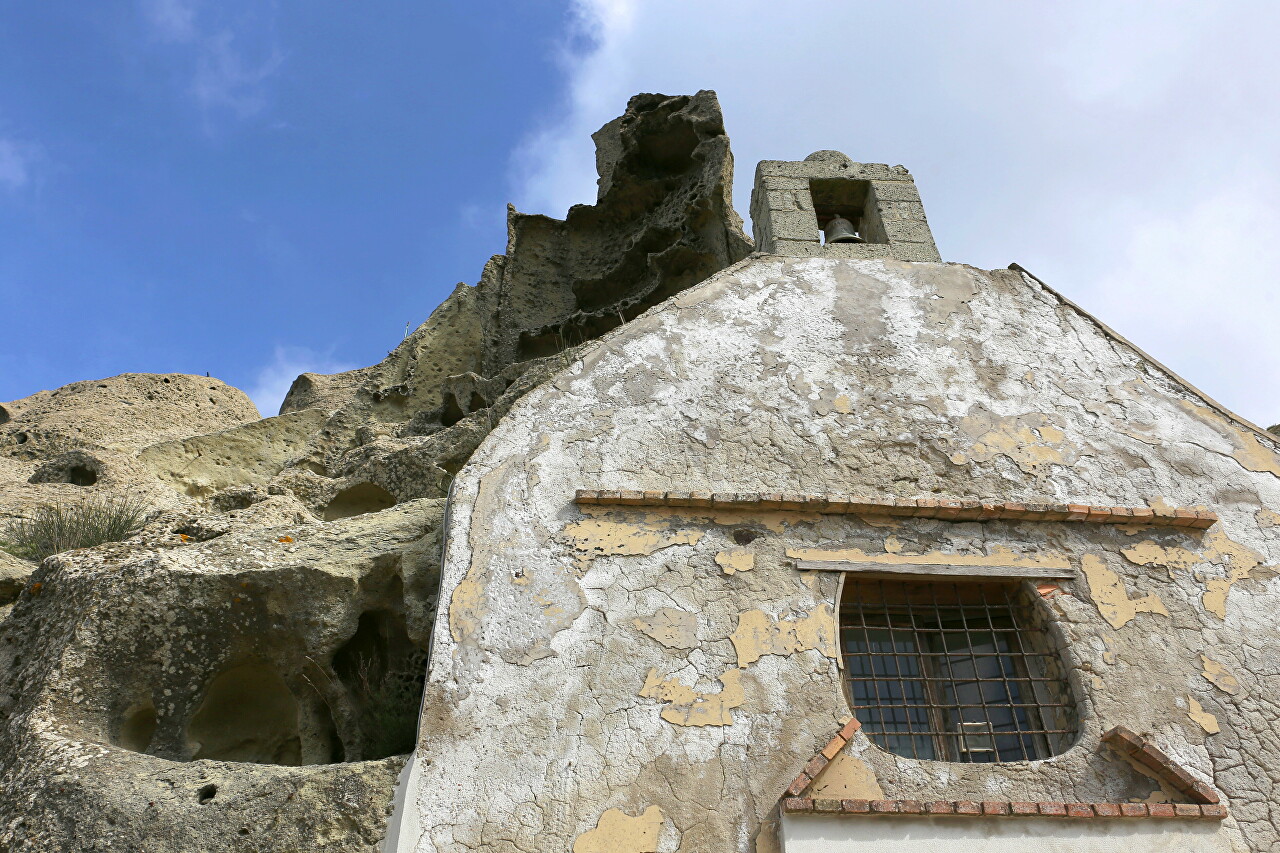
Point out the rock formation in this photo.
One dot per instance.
(241, 674)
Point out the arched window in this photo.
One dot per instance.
(953, 670)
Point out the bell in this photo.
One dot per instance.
(840, 230)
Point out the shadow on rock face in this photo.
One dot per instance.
(357, 500)
(75, 467)
(248, 714)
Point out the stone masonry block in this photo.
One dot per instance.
(907, 230)
(895, 191)
(794, 224)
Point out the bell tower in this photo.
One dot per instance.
(829, 206)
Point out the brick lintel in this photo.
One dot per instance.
(949, 510)
(965, 808)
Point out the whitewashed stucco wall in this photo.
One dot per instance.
(612, 680)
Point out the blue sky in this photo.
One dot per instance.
(259, 188)
(240, 187)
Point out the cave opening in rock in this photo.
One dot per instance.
(138, 727)
(81, 475)
(358, 500)
(383, 672)
(248, 714)
(206, 793)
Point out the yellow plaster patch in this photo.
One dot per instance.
(1030, 439)
(842, 404)
(999, 556)
(731, 562)
(1267, 518)
(1148, 553)
(846, 777)
(466, 607)
(1252, 454)
(1201, 717)
(892, 545)
(675, 629)
(1108, 593)
(688, 707)
(1109, 651)
(759, 634)
(619, 832)
(1217, 675)
(1241, 560)
(594, 537)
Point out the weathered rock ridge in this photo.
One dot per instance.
(234, 676)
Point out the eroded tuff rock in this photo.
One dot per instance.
(220, 681)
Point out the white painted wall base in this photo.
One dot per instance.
(858, 834)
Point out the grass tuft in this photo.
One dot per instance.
(389, 699)
(57, 527)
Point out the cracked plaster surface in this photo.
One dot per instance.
(821, 376)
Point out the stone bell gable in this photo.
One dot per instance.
(646, 583)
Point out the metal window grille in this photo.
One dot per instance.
(952, 671)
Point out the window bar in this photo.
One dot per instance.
(939, 621)
(1037, 697)
(977, 672)
(1005, 662)
(897, 665)
(869, 654)
(985, 613)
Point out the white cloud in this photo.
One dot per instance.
(226, 78)
(287, 363)
(172, 20)
(1126, 153)
(15, 163)
(231, 48)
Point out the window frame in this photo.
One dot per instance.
(1050, 715)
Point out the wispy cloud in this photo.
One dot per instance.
(15, 163)
(287, 363)
(1101, 144)
(171, 20)
(231, 50)
(226, 78)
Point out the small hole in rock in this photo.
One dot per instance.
(21, 437)
(206, 794)
(357, 500)
(81, 475)
(745, 536)
(138, 727)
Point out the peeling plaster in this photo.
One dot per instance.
(759, 634)
(675, 629)
(847, 777)
(1108, 593)
(593, 537)
(688, 707)
(1201, 717)
(1242, 562)
(619, 832)
(1252, 454)
(732, 562)
(1219, 549)
(998, 556)
(1218, 675)
(1030, 440)
(1148, 553)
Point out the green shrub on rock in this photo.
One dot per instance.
(57, 527)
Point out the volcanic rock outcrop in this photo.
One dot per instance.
(243, 674)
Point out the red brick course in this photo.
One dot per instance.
(1119, 738)
(1146, 753)
(950, 510)
(1079, 811)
